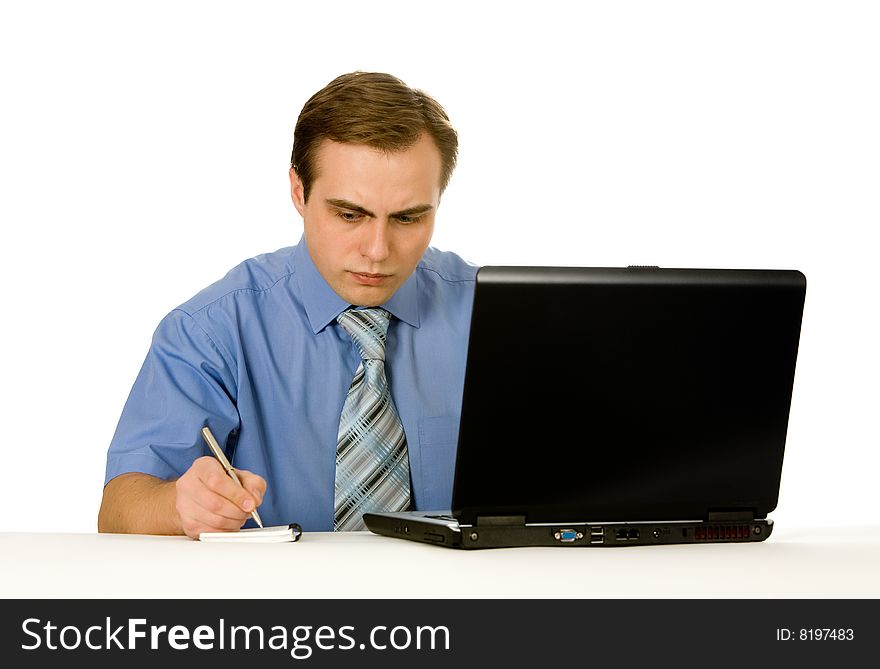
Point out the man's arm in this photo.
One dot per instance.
(204, 499)
(139, 504)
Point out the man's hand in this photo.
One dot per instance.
(208, 500)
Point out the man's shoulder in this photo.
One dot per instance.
(445, 266)
(252, 277)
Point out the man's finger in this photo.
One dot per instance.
(219, 482)
(254, 483)
(217, 505)
(205, 521)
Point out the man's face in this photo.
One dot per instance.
(370, 216)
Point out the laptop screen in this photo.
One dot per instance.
(626, 394)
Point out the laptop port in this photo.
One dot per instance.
(632, 533)
(567, 536)
(597, 535)
(621, 534)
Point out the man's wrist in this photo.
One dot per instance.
(169, 514)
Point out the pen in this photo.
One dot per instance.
(218, 453)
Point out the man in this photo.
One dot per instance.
(331, 371)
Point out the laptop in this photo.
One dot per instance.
(619, 407)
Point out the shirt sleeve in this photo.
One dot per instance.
(185, 383)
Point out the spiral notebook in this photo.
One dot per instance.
(257, 535)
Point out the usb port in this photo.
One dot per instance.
(597, 535)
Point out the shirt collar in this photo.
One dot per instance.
(323, 305)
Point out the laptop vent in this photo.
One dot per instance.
(721, 532)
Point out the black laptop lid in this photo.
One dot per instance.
(626, 394)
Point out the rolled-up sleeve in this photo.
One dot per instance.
(186, 382)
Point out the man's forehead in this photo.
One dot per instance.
(360, 173)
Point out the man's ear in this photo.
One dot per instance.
(297, 192)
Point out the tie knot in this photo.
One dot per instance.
(367, 327)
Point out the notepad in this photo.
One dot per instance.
(257, 535)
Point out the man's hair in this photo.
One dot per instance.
(374, 109)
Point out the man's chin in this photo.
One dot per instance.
(366, 296)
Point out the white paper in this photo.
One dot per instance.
(276, 534)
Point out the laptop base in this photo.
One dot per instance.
(442, 529)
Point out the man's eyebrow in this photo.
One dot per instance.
(351, 206)
(414, 211)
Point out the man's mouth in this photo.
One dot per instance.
(369, 278)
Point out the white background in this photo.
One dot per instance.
(144, 149)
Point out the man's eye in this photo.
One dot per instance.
(407, 220)
(349, 216)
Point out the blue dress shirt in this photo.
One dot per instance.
(259, 358)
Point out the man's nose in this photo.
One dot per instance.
(375, 244)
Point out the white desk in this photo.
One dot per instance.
(793, 563)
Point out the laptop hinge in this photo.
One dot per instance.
(742, 514)
(501, 520)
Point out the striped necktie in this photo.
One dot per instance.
(372, 466)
